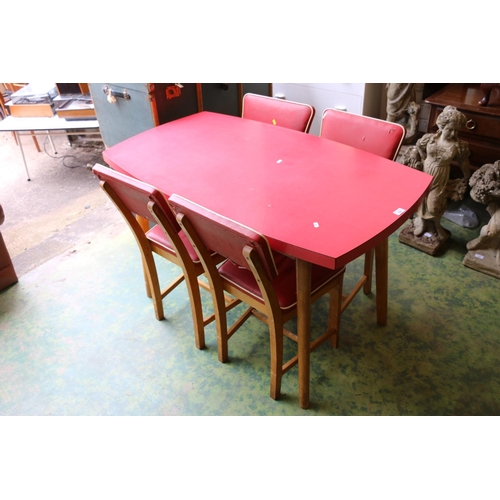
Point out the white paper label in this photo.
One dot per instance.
(399, 211)
(479, 256)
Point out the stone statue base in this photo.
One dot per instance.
(484, 261)
(428, 242)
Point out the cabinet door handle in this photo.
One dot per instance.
(112, 94)
(471, 124)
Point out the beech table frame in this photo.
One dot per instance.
(314, 199)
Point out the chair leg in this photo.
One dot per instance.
(144, 223)
(196, 310)
(153, 283)
(221, 325)
(146, 280)
(369, 256)
(35, 141)
(335, 311)
(276, 344)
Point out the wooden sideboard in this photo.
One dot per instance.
(482, 131)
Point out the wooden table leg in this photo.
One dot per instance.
(382, 278)
(304, 328)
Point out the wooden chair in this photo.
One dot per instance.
(288, 114)
(8, 274)
(261, 278)
(369, 134)
(165, 238)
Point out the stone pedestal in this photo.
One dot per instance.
(484, 261)
(428, 242)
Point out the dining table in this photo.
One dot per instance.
(315, 200)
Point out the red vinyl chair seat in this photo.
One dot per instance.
(285, 284)
(135, 199)
(156, 235)
(256, 275)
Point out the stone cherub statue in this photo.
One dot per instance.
(438, 151)
(434, 153)
(484, 251)
(402, 107)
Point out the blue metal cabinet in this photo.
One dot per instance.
(126, 109)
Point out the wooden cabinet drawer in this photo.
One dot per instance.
(482, 152)
(485, 126)
(482, 131)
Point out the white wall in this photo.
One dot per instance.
(359, 98)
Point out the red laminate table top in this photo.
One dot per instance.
(313, 198)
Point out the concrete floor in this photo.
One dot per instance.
(61, 206)
(78, 334)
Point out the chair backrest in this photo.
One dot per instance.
(363, 132)
(222, 235)
(135, 196)
(288, 114)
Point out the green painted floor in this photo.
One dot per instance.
(78, 336)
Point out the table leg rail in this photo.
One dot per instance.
(347, 299)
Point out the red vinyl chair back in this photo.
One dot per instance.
(135, 198)
(375, 136)
(136, 195)
(288, 114)
(224, 236)
(363, 132)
